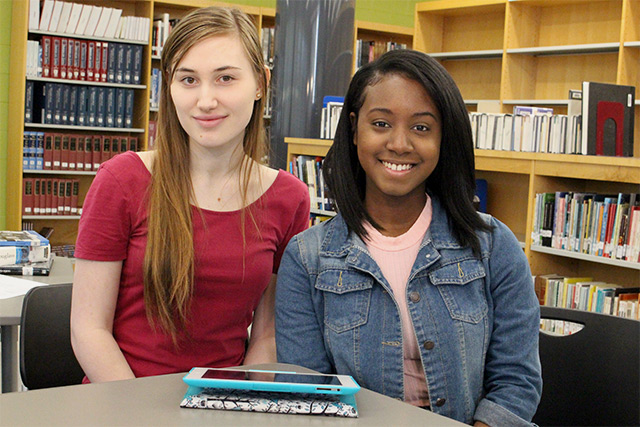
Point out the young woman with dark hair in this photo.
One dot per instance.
(178, 247)
(409, 289)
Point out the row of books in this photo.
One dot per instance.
(605, 225)
(50, 196)
(583, 293)
(599, 121)
(64, 104)
(73, 152)
(83, 19)
(161, 28)
(84, 60)
(309, 170)
(331, 110)
(368, 50)
(529, 129)
(25, 253)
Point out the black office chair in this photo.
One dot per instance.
(46, 356)
(592, 377)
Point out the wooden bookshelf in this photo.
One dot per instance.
(531, 53)
(381, 33)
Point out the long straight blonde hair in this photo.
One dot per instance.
(169, 257)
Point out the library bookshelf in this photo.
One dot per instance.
(525, 52)
(65, 226)
(381, 34)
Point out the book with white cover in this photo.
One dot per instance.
(84, 19)
(74, 17)
(55, 16)
(96, 11)
(112, 25)
(103, 21)
(34, 14)
(45, 16)
(64, 17)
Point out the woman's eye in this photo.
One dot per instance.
(226, 79)
(381, 124)
(188, 80)
(421, 128)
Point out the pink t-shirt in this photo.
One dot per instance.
(395, 256)
(227, 286)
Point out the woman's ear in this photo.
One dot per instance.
(262, 90)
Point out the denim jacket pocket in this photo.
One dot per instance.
(461, 286)
(347, 295)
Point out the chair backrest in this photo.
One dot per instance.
(592, 377)
(46, 356)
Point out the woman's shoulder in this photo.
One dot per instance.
(127, 167)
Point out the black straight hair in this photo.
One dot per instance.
(453, 179)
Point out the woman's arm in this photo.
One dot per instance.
(262, 343)
(93, 304)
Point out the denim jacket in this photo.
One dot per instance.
(476, 320)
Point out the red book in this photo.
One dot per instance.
(76, 59)
(54, 196)
(83, 60)
(133, 143)
(27, 196)
(88, 160)
(70, 58)
(46, 56)
(47, 155)
(96, 152)
(48, 204)
(64, 152)
(36, 196)
(79, 152)
(97, 55)
(64, 47)
(42, 200)
(57, 151)
(61, 190)
(75, 189)
(106, 148)
(104, 64)
(68, 190)
(115, 145)
(55, 57)
(91, 59)
(124, 144)
(73, 149)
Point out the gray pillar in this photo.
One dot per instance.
(313, 58)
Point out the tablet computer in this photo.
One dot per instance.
(264, 380)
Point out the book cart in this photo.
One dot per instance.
(66, 226)
(531, 53)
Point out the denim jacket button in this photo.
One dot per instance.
(429, 345)
(414, 297)
(440, 401)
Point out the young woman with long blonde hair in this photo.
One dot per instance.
(178, 247)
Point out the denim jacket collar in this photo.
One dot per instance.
(337, 243)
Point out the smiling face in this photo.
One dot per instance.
(213, 89)
(398, 134)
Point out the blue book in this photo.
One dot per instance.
(128, 108)
(28, 102)
(120, 65)
(101, 109)
(110, 108)
(111, 62)
(39, 149)
(64, 109)
(48, 103)
(73, 105)
(137, 64)
(92, 106)
(119, 108)
(81, 110)
(128, 64)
